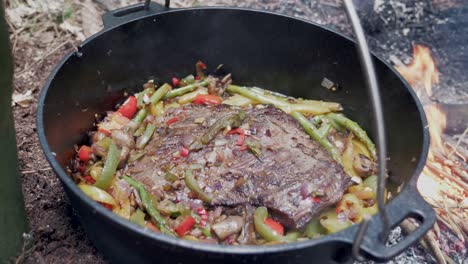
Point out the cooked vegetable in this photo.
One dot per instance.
(207, 99)
(314, 134)
(314, 229)
(265, 230)
(129, 107)
(148, 204)
(160, 93)
(229, 120)
(221, 156)
(186, 89)
(190, 97)
(189, 79)
(330, 221)
(110, 167)
(356, 129)
(275, 226)
(138, 217)
(143, 140)
(97, 194)
(238, 100)
(85, 153)
(193, 186)
(309, 108)
(229, 226)
(185, 225)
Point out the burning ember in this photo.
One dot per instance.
(444, 180)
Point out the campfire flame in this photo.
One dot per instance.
(441, 182)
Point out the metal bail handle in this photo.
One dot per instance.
(373, 88)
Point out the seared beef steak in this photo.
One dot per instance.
(285, 173)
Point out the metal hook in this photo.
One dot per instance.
(167, 3)
(373, 88)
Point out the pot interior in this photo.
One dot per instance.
(261, 49)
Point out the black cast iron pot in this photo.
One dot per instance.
(268, 50)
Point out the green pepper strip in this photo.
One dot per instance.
(254, 148)
(232, 119)
(356, 129)
(186, 89)
(160, 93)
(110, 167)
(147, 203)
(193, 186)
(314, 229)
(138, 217)
(141, 96)
(314, 134)
(265, 231)
(146, 136)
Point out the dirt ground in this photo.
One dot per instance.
(41, 33)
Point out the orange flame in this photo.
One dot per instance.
(421, 70)
(422, 74)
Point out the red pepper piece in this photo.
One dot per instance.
(172, 121)
(275, 226)
(152, 227)
(201, 65)
(241, 132)
(105, 131)
(316, 199)
(108, 206)
(89, 179)
(185, 226)
(184, 152)
(175, 81)
(129, 107)
(242, 148)
(84, 153)
(207, 99)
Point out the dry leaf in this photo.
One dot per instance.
(73, 29)
(24, 100)
(91, 18)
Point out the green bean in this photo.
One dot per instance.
(314, 134)
(356, 129)
(110, 167)
(265, 231)
(133, 125)
(186, 89)
(324, 130)
(160, 93)
(193, 186)
(141, 96)
(189, 79)
(144, 139)
(232, 119)
(148, 204)
(140, 116)
(277, 101)
(256, 96)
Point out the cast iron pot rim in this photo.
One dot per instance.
(346, 235)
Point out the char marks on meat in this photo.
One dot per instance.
(292, 168)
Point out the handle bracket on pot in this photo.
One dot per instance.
(409, 204)
(125, 14)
